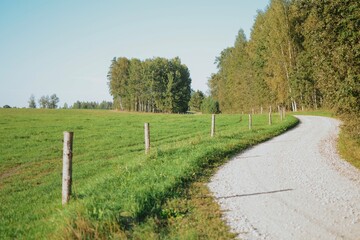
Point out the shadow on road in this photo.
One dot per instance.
(255, 194)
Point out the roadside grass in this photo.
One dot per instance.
(192, 215)
(118, 191)
(349, 136)
(349, 149)
(320, 112)
(349, 140)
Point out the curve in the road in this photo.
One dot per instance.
(294, 186)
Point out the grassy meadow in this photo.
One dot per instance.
(118, 191)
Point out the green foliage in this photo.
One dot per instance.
(196, 101)
(115, 185)
(54, 100)
(153, 85)
(44, 101)
(92, 105)
(329, 37)
(209, 105)
(32, 103)
(301, 53)
(49, 102)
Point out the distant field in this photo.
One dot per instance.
(114, 183)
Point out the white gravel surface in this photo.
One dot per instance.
(294, 186)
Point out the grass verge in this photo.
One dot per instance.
(349, 140)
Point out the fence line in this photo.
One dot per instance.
(68, 150)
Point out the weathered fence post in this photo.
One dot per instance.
(67, 167)
(284, 112)
(270, 120)
(147, 137)
(250, 121)
(212, 125)
(261, 109)
(281, 114)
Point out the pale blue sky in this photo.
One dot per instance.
(65, 47)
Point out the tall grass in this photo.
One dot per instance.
(115, 185)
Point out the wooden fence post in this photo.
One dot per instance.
(67, 167)
(281, 114)
(270, 120)
(147, 137)
(284, 112)
(250, 121)
(212, 125)
(261, 109)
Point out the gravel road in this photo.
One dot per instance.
(294, 186)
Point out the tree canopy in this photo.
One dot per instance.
(48, 102)
(152, 85)
(301, 53)
(196, 100)
(32, 103)
(91, 105)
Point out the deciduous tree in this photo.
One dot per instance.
(32, 103)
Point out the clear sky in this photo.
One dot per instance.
(65, 47)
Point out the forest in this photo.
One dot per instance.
(301, 54)
(152, 85)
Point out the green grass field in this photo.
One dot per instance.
(115, 185)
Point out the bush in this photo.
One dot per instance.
(209, 105)
(196, 101)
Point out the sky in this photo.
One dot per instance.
(65, 47)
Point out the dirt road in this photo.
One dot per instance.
(294, 186)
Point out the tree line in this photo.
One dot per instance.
(52, 101)
(152, 85)
(92, 105)
(301, 53)
(47, 101)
